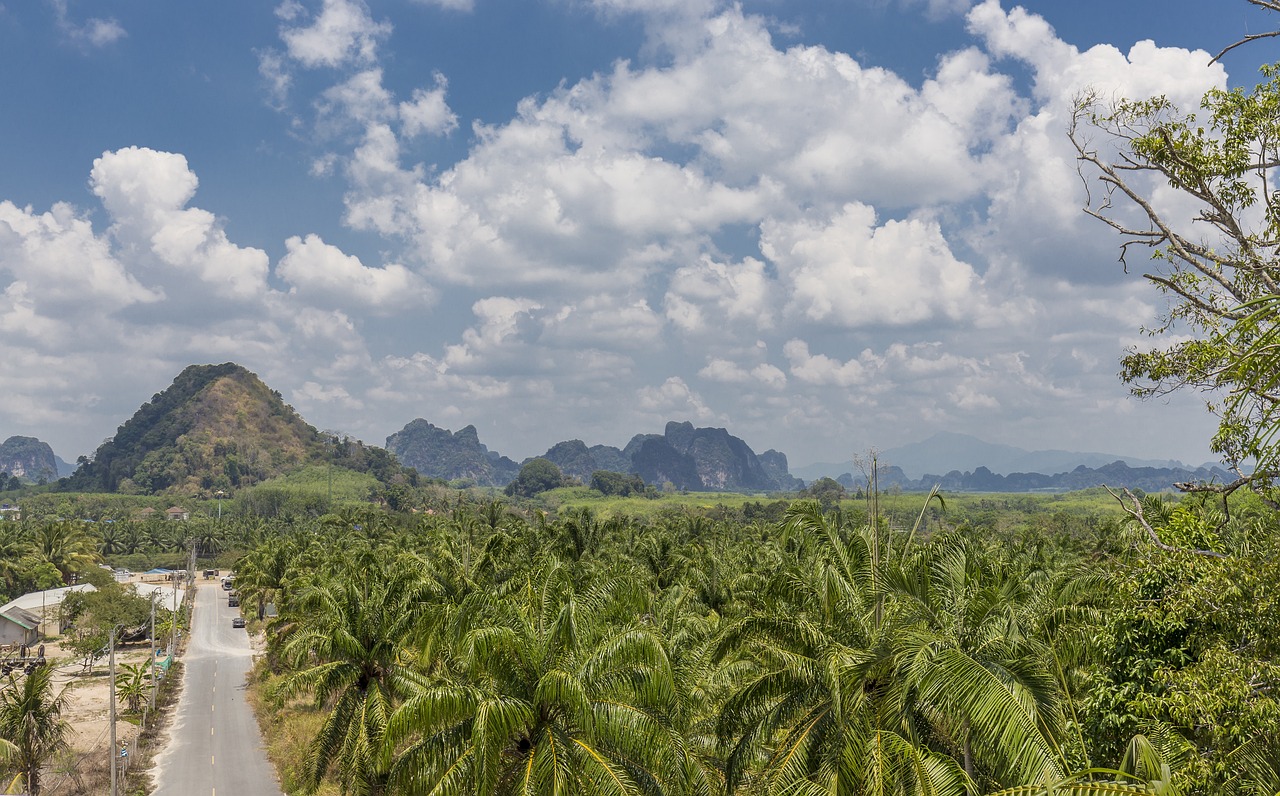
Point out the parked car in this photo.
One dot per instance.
(238, 622)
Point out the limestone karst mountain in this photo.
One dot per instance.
(217, 427)
(28, 459)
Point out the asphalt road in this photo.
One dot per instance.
(214, 746)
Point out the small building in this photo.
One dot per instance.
(19, 626)
(178, 513)
(144, 514)
(10, 512)
(46, 605)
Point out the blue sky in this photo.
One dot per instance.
(827, 225)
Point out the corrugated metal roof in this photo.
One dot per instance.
(24, 619)
(52, 598)
(33, 601)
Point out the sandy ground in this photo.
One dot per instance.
(86, 709)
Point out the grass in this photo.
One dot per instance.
(892, 503)
(286, 731)
(574, 497)
(317, 479)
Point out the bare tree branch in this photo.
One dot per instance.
(1136, 513)
(1247, 39)
(1270, 5)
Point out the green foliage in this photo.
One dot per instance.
(1222, 277)
(94, 615)
(1016, 642)
(31, 722)
(617, 484)
(826, 491)
(536, 476)
(133, 684)
(1192, 644)
(66, 546)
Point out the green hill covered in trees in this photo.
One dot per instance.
(217, 427)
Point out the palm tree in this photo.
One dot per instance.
(133, 684)
(13, 548)
(970, 657)
(66, 546)
(31, 721)
(549, 699)
(111, 539)
(262, 574)
(820, 710)
(207, 538)
(867, 677)
(349, 650)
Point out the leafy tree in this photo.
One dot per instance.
(1191, 644)
(827, 491)
(537, 476)
(94, 615)
(1218, 266)
(31, 720)
(617, 484)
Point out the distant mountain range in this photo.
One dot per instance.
(1116, 474)
(948, 451)
(685, 457)
(221, 427)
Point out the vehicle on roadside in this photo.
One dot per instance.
(238, 622)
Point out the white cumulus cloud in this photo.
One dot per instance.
(343, 32)
(314, 267)
(146, 193)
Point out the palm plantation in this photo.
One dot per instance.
(833, 655)
(350, 652)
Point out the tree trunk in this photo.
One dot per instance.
(968, 751)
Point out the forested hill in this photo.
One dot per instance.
(216, 427)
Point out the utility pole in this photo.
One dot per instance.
(112, 668)
(153, 651)
(173, 634)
